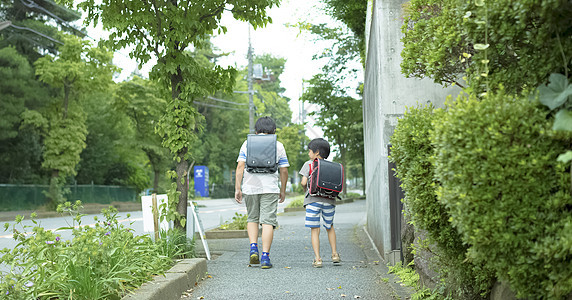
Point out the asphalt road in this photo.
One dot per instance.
(212, 213)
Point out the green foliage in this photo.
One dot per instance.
(104, 261)
(352, 14)
(238, 222)
(174, 243)
(412, 152)
(340, 116)
(294, 143)
(506, 193)
(433, 44)
(64, 143)
(493, 43)
(167, 30)
(17, 74)
(408, 277)
(298, 201)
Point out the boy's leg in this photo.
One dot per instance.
(313, 211)
(328, 212)
(268, 207)
(267, 237)
(332, 239)
(253, 212)
(316, 242)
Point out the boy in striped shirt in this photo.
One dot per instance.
(317, 207)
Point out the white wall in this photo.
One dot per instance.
(386, 95)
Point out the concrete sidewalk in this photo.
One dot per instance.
(362, 274)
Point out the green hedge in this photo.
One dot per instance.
(412, 153)
(505, 191)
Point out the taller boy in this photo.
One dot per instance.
(261, 193)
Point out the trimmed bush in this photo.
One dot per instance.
(412, 153)
(505, 191)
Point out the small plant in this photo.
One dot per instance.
(408, 277)
(238, 223)
(175, 244)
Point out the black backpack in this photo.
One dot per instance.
(326, 179)
(261, 153)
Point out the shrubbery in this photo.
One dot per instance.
(506, 193)
(412, 152)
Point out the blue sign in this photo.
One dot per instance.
(201, 181)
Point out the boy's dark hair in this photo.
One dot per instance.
(320, 146)
(265, 125)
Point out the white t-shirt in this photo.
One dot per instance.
(263, 183)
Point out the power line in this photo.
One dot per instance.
(226, 101)
(32, 30)
(219, 106)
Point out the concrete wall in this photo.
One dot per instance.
(387, 93)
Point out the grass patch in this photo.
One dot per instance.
(298, 201)
(238, 222)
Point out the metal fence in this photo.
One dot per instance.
(27, 197)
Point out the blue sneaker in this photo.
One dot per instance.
(254, 258)
(265, 262)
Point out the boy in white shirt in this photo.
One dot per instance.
(261, 193)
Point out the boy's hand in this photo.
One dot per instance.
(282, 197)
(238, 196)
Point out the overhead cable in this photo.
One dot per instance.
(226, 101)
(218, 106)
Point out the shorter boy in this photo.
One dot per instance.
(317, 207)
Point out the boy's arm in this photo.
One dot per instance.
(304, 182)
(283, 182)
(238, 181)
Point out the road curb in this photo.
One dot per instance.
(88, 209)
(180, 278)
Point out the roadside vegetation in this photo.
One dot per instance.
(104, 261)
(487, 177)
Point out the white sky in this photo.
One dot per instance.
(276, 39)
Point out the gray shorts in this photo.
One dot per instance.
(262, 208)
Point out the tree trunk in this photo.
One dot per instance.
(156, 173)
(66, 100)
(182, 163)
(182, 187)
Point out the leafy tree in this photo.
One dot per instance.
(340, 116)
(166, 30)
(20, 149)
(491, 42)
(17, 77)
(353, 15)
(140, 100)
(77, 69)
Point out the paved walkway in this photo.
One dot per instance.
(361, 275)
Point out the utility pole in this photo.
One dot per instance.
(250, 91)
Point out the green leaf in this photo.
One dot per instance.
(563, 120)
(556, 92)
(565, 157)
(481, 46)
